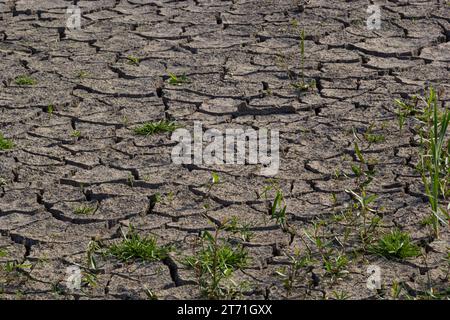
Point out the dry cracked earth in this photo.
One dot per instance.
(74, 144)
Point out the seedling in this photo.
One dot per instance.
(371, 137)
(335, 266)
(235, 227)
(82, 74)
(302, 85)
(150, 128)
(50, 109)
(24, 80)
(133, 60)
(5, 144)
(291, 275)
(75, 134)
(278, 209)
(177, 80)
(396, 244)
(84, 210)
(15, 266)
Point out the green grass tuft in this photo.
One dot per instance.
(223, 258)
(149, 128)
(5, 144)
(25, 81)
(396, 244)
(84, 210)
(135, 247)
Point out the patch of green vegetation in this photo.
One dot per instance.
(177, 80)
(372, 137)
(134, 247)
(3, 253)
(236, 227)
(25, 80)
(84, 210)
(223, 257)
(434, 165)
(396, 244)
(150, 128)
(50, 109)
(215, 263)
(3, 182)
(82, 74)
(302, 85)
(290, 275)
(132, 60)
(12, 266)
(278, 209)
(75, 134)
(5, 144)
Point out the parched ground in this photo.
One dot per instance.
(241, 58)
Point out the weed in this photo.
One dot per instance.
(216, 262)
(3, 182)
(24, 80)
(3, 253)
(132, 60)
(75, 134)
(177, 80)
(434, 166)
(82, 74)
(371, 137)
(150, 294)
(235, 227)
(302, 85)
(50, 109)
(396, 244)
(341, 295)
(134, 247)
(11, 266)
(278, 209)
(336, 266)
(92, 248)
(150, 128)
(84, 210)
(290, 275)
(89, 279)
(5, 144)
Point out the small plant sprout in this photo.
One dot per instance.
(84, 210)
(132, 60)
(50, 109)
(395, 244)
(25, 80)
(177, 80)
(82, 74)
(149, 128)
(302, 85)
(75, 134)
(278, 209)
(5, 144)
